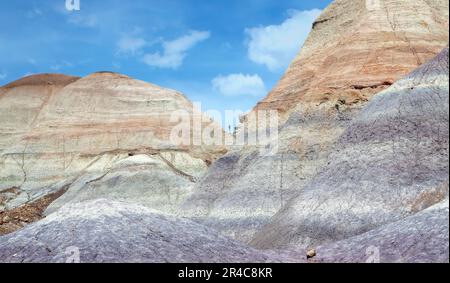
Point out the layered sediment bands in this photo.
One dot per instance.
(358, 48)
(359, 171)
(353, 52)
(147, 180)
(102, 231)
(69, 127)
(22, 102)
(391, 163)
(243, 190)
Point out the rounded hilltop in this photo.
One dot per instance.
(107, 74)
(43, 79)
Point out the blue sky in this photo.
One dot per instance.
(226, 54)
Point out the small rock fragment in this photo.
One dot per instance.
(311, 254)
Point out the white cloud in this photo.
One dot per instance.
(175, 51)
(239, 85)
(130, 45)
(275, 46)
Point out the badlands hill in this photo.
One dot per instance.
(382, 197)
(361, 168)
(22, 101)
(108, 231)
(391, 163)
(357, 48)
(353, 52)
(58, 132)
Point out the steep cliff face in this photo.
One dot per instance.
(353, 52)
(61, 130)
(358, 48)
(391, 163)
